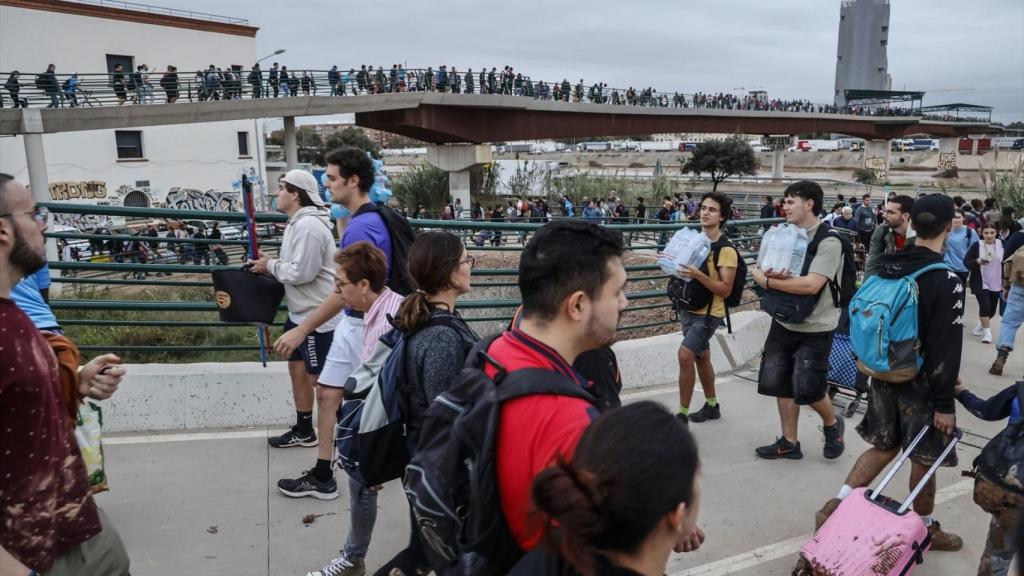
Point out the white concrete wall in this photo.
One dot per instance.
(214, 395)
(198, 156)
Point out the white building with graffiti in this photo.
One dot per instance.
(181, 166)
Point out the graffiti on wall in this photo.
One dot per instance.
(947, 161)
(87, 190)
(79, 221)
(210, 200)
(879, 166)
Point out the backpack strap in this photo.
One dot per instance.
(538, 381)
(935, 266)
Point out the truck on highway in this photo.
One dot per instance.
(595, 146)
(967, 144)
(656, 146)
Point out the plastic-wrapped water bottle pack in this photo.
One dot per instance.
(783, 247)
(688, 247)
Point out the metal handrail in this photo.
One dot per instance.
(98, 89)
(111, 273)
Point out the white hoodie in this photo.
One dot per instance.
(306, 264)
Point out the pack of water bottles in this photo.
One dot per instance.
(783, 247)
(688, 247)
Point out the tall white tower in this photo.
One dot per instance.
(862, 62)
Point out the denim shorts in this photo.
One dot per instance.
(698, 329)
(795, 365)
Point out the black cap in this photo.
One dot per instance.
(932, 209)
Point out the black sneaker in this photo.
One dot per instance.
(293, 437)
(708, 412)
(782, 448)
(308, 485)
(834, 444)
(683, 418)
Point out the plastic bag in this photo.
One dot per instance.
(687, 247)
(89, 435)
(783, 247)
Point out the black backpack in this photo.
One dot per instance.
(402, 236)
(796, 308)
(1002, 460)
(693, 295)
(452, 482)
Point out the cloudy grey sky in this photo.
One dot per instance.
(787, 47)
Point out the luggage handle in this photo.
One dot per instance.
(957, 434)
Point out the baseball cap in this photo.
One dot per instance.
(932, 208)
(306, 181)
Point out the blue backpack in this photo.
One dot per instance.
(884, 326)
(370, 437)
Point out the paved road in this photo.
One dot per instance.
(206, 503)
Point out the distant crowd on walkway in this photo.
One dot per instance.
(231, 83)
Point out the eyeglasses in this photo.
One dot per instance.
(339, 284)
(39, 213)
(468, 260)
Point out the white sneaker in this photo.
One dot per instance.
(987, 338)
(978, 330)
(342, 566)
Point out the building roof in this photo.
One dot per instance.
(141, 13)
(956, 107)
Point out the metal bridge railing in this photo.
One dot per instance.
(168, 84)
(101, 305)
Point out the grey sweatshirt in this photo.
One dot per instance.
(306, 264)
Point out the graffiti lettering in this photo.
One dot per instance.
(189, 199)
(879, 166)
(78, 221)
(947, 161)
(88, 190)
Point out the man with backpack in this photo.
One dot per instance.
(711, 285)
(350, 175)
(898, 409)
(1013, 293)
(893, 235)
(805, 312)
(524, 404)
(998, 472)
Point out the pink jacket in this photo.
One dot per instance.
(375, 321)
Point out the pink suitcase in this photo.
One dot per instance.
(870, 534)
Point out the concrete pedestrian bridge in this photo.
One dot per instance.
(445, 118)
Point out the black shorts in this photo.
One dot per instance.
(314, 349)
(795, 365)
(894, 417)
(988, 303)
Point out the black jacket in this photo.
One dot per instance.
(940, 318)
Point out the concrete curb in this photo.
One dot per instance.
(238, 394)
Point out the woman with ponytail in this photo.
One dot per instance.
(436, 349)
(624, 503)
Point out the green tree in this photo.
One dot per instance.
(721, 159)
(352, 136)
(309, 145)
(423, 184)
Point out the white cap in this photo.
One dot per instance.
(306, 181)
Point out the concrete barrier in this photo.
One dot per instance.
(238, 394)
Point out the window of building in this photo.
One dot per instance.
(885, 29)
(884, 42)
(243, 144)
(129, 144)
(114, 59)
(142, 183)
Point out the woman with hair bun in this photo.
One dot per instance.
(624, 503)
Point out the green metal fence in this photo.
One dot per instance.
(97, 293)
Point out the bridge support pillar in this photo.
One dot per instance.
(778, 162)
(291, 149)
(457, 160)
(38, 181)
(948, 151)
(876, 157)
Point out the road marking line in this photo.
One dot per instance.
(185, 437)
(792, 546)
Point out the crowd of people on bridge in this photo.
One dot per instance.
(569, 480)
(234, 83)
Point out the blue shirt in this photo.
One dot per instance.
(368, 226)
(26, 294)
(957, 244)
